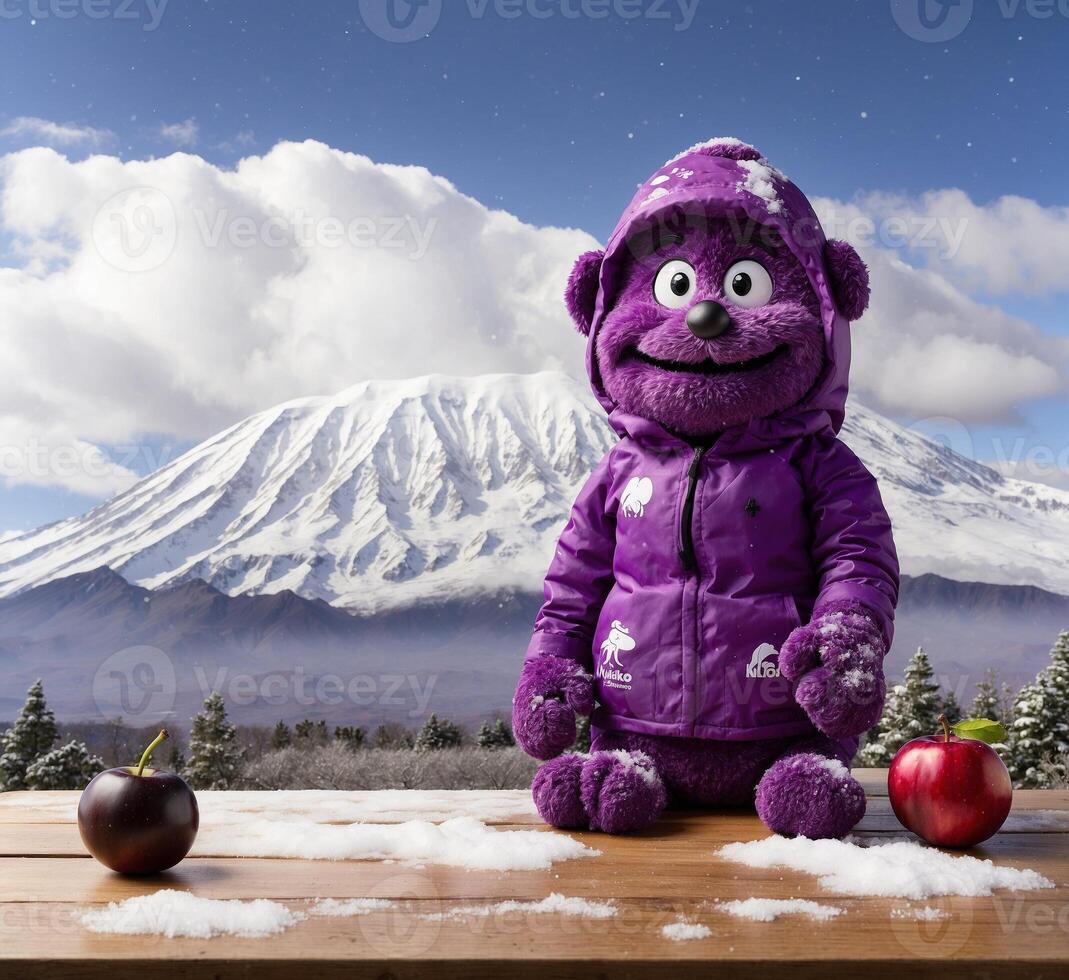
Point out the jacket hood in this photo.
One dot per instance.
(724, 177)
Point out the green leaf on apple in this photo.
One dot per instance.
(982, 729)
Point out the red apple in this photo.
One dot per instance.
(950, 791)
(137, 820)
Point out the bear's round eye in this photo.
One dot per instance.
(747, 284)
(674, 284)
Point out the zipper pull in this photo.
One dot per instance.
(686, 530)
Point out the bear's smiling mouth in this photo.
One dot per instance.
(709, 366)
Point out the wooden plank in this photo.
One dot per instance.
(653, 878)
(1032, 813)
(974, 939)
(642, 866)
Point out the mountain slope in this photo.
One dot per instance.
(450, 489)
(387, 494)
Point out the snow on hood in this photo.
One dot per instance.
(754, 190)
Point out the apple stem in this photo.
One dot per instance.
(946, 727)
(162, 737)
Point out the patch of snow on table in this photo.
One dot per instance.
(897, 869)
(682, 931)
(770, 909)
(376, 806)
(173, 913)
(343, 908)
(463, 842)
(926, 914)
(555, 902)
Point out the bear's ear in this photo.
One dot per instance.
(582, 292)
(849, 278)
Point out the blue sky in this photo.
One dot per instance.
(555, 118)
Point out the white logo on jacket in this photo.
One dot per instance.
(760, 664)
(611, 669)
(637, 494)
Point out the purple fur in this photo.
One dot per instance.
(849, 277)
(615, 791)
(621, 791)
(806, 794)
(581, 294)
(557, 792)
(692, 403)
(797, 791)
(836, 661)
(550, 693)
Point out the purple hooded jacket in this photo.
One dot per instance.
(683, 569)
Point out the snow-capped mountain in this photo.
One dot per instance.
(434, 489)
(388, 493)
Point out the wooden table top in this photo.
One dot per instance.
(47, 881)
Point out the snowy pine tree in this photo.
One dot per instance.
(68, 767)
(950, 708)
(350, 736)
(495, 736)
(280, 736)
(214, 756)
(987, 703)
(1039, 739)
(437, 734)
(32, 736)
(912, 710)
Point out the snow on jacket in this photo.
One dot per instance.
(684, 568)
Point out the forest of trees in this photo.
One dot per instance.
(441, 755)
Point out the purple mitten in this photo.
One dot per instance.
(550, 693)
(809, 795)
(837, 662)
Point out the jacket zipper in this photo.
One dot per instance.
(686, 522)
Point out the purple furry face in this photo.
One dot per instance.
(714, 326)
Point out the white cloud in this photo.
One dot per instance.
(925, 347)
(184, 134)
(174, 297)
(1011, 246)
(54, 134)
(300, 272)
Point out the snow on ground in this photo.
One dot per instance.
(462, 842)
(682, 931)
(899, 868)
(770, 909)
(326, 806)
(344, 908)
(172, 913)
(555, 902)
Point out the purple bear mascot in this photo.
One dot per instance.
(722, 598)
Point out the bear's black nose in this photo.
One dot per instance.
(708, 320)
